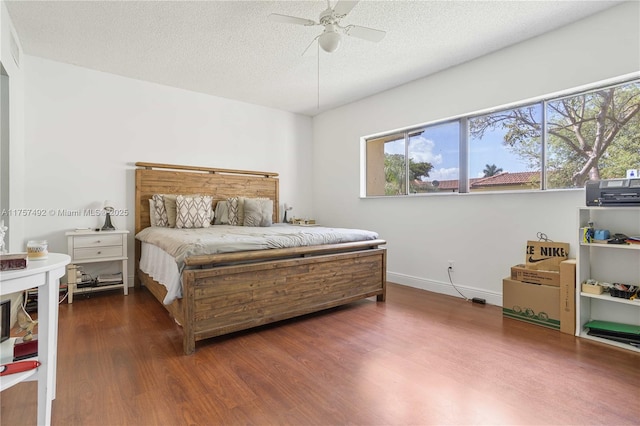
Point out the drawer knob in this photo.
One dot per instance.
(99, 241)
(99, 252)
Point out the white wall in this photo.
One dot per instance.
(16, 142)
(483, 233)
(85, 130)
(16, 127)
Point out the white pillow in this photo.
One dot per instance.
(193, 211)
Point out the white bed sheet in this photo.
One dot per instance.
(162, 267)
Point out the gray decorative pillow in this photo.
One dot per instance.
(193, 211)
(161, 212)
(222, 213)
(258, 212)
(170, 207)
(236, 209)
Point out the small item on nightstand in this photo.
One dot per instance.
(108, 209)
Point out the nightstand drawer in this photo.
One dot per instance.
(97, 252)
(97, 241)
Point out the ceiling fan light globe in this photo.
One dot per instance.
(330, 41)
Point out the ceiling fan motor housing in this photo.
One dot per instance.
(327, 17)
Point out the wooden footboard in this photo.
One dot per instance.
(225, 299)
(231, 298)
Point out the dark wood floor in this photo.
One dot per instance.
(419, 358)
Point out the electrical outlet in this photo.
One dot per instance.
(451, 265)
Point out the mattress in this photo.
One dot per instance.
(164, 250)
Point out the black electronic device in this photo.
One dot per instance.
(613, 192)
(618, 239)
(5, 316)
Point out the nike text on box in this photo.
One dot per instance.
(546, 255)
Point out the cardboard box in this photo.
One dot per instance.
(546, 255)
(592, 289)
(534, 276)
(568, 296)
(533, 303)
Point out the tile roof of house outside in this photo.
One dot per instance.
(506, 178)
(501, 179)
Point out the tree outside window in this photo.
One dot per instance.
(588, 136)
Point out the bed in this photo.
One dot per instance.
(231, 291)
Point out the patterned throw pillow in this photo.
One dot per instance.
(258, 212)
(161, 213)
(152, 213)
(193, 211)
(233, 207)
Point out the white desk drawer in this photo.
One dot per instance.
(97, 252)
(97, 241)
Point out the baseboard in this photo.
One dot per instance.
(444, 288)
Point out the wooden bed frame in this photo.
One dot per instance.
(237, 291)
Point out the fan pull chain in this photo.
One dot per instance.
(318, 50)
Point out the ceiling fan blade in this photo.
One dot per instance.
(364, 33)
(286, 19)
(343, 7)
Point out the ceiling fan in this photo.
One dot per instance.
(330, 18)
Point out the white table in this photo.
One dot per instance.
(45, 275)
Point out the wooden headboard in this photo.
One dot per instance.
(153, 178)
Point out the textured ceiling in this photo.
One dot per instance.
(230, 48)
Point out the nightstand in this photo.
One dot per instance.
(93, 247)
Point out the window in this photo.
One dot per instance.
(505, 150)
(556, 143)
(594, 135)
(386, 168)
(433, 157)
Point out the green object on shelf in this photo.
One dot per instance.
(613, 326)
